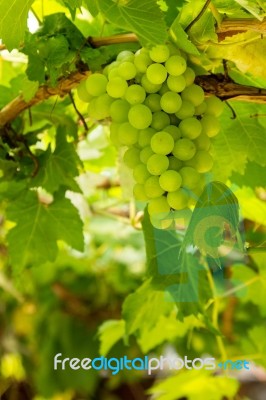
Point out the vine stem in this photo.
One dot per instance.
(202, 11)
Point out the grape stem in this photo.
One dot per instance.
(202, 11)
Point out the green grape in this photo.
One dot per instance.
(127, 134)
(202, 142)
(190, 177)
(113, 73)
(96, 84)
(157, 164)
(116, 87)
(174, 163)
(160, 120)
(114, 134)
(93, 111)
(202, 161)
(114, 64)
(145, 154)
(175, 65)
(176, 83)
(83, 93)
(119, 110)
(152, 187)
(189, 76)
(162, 143)
(194, 94)
(142, 61)
(159, 53)
(178, 200)
(214, 106)
(125, 55)
(162, 222)
(164, 89)
(173, 50)
(186, 110)
(174, 131)
(127, 70)
(158, 206)
(139, 193)
(171, 102)
(199, 110)
(170, 180)
(153, 102)
(103, 103)
(184, 149)
(140, 173)
(210, 125)
(190, 128)
(145, 136)
(156, 73)
(135, 94)
(148, 86)
(132, 157)
(140, 116)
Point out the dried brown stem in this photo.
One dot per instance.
(230, 27)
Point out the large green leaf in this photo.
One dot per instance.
(254, 176)
(144, 18)
(39, 226)
(13, 21)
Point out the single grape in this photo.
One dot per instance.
(174, 163)
(157, 164)
(127, 70)
(96, 84)
(184, 149)
(153, 102)
(140, 116)
(162, 143)
(145, 154)
(148, 86)
(170, 180)
(127, 134)
(159, 53)
(140, 173)
(190, 128)
(175, 65)
(210, 125)
(139, 193)
(178, 200)
(142, 61)
(145, 136)
(156, 73)
(160, 120)
(162, 222)
(194, 94)
(214, 106)
(135, 94)
(202, 161)
(132, 157)
(190, 177)
(171, 102)
(158, 206)
(114, 134)
(119, 110)
(176, 83)
(103, 103)
(189, 76)
(116, 87)
(186, 110)
(199, 110)
(125, 55)
(152, 187)
(113, 73)
(83, 93)
(93, 111)
(202, 142)
(174, 131)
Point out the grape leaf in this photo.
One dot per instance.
(13, 21)
(180, 37)
(143, 18)
(253, 176)
(110, 332)
(253, 7)
(92, 7)
(39, 226)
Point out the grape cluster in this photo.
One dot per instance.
(164, 120)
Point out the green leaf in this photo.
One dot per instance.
(13, 21)
(253, 7)
(92, 7)
(195, 384)
(29, 89)
(110, 332)
(180, 38)
(144, 18)
(39, 226)
(58, 168)
(254, 343)
(253, 176)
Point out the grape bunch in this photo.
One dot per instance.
(163, 120)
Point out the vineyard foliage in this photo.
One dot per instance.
(83, 271)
